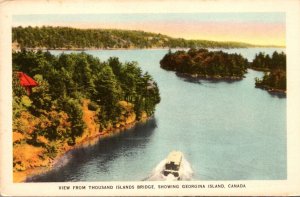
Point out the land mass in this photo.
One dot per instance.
(78, 97)
(48, 37)
(274, 66)
(204, 64)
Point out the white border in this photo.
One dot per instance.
(292, 10)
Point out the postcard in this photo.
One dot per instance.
(149, 98)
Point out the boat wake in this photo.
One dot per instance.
(157, 175)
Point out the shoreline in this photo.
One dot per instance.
(58, 161)
(260, 69)
(134, 48)
(196, 77)
(271, 90)
(207, 77)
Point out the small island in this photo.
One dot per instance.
(60, 102)
(204, 64)
(274, 79)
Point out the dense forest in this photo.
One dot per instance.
(274, 66)
(50, 118)
(201, 63)
(72, 38)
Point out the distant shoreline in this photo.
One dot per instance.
(137, 48)
(72, 38)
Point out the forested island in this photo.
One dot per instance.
(274, 79)
(48, 37)
(69, 99)
(204, 64)
(218, 65)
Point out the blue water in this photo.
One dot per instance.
(227, 131)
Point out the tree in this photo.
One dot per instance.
(275, 78)
(107, 93)
(65, 37)
(202, 62)
(40, 96)
(55, 105)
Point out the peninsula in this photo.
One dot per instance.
(59, 102)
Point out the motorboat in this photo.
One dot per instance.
(173, 165)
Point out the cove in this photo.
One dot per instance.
(227, 131)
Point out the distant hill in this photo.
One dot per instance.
(71, 38)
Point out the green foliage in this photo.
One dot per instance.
(275, 67)
(73, 108)
(41, 95)
(51, 150)
(65, 37)
(18, 90)
(21, 102)
(93, 106)
(265, 62)
(55, 104)
(204, 63)
(26, 101)
(276, 79)
(107, 93)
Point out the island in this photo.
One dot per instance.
(204, 64)
(60, 102)
(274, 67)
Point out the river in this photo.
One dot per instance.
(227, 131)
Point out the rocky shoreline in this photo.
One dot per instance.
(37, 163)
(61, 160)
(271, 90)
